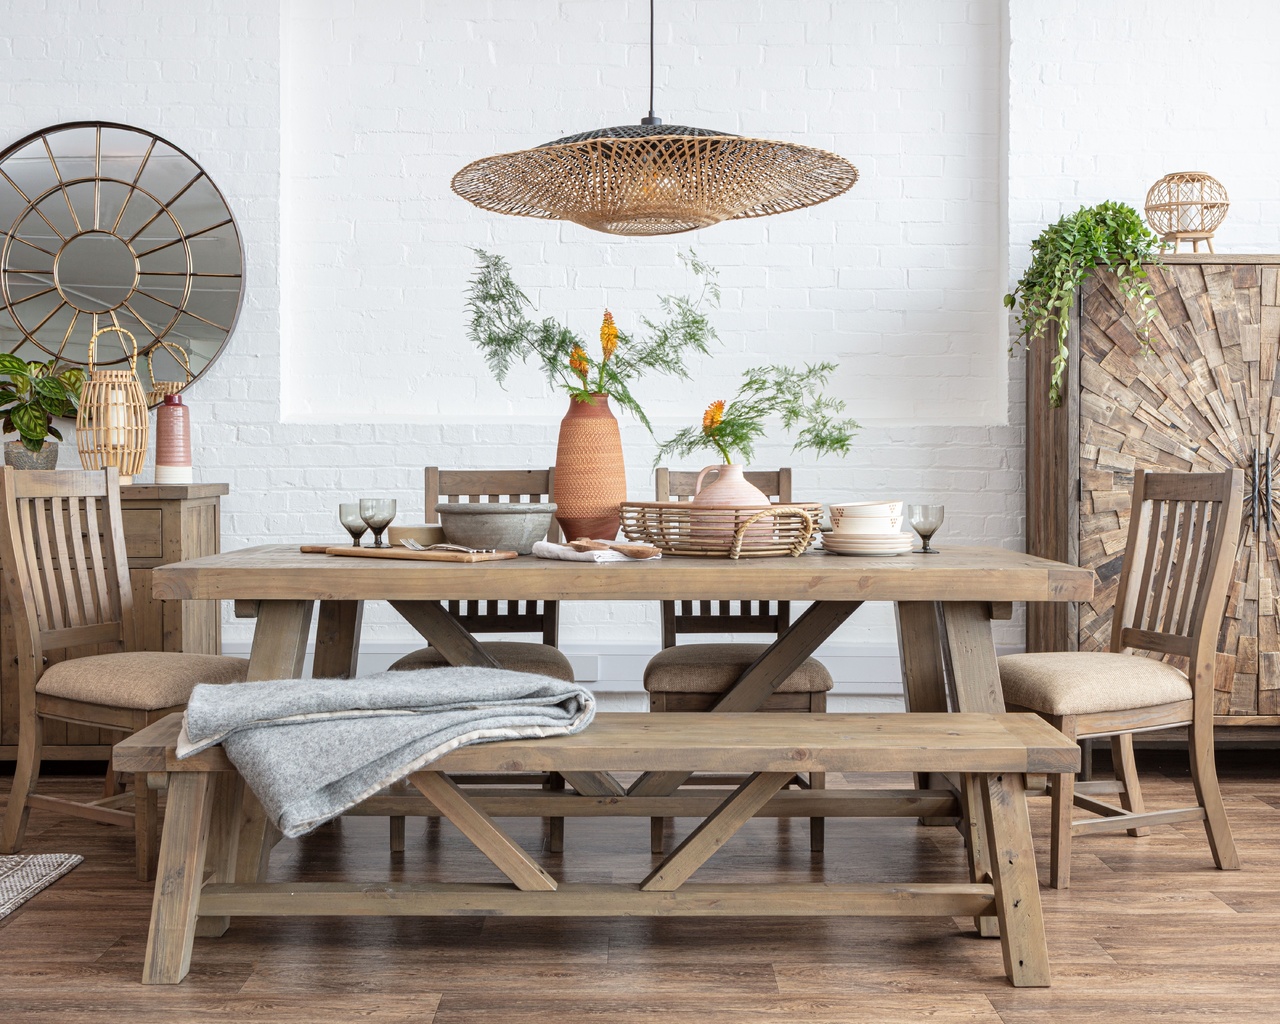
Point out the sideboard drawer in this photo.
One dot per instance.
(142, 533)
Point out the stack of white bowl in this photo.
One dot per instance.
(867, 528)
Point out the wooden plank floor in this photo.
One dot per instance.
(1149, 931)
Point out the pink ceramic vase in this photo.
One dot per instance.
(729, 487)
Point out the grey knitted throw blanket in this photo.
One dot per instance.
(313, 748)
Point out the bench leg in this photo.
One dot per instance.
(224, 843)
(715, 831)
(1013, 874)
(505, 853)
(179, 878)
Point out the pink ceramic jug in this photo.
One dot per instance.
(729, 487)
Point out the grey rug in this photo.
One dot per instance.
(23, 875)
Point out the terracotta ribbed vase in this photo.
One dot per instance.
(591, 481)
(173, 441)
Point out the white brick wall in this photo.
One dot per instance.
(333, 128)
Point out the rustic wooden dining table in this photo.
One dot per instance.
(945, 604)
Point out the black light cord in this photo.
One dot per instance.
(651, 119)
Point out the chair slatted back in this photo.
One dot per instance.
(62, 540)
(1183, 531)
(498, 485)
(721, 616)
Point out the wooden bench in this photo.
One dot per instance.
(196, 894)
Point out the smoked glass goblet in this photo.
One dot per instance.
(349, 515)
(925, 520)
(377, 514)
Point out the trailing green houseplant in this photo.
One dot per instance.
(505, 335)
(1111, 234)
(790, 394)
(32, 394)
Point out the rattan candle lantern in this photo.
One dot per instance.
(112, 425)
(1187, 206)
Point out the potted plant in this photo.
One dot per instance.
(732, 427)
(590, 479)
(1111, 234)
(31, 395)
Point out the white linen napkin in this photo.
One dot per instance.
(545, 549)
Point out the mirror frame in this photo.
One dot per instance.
(57, 184)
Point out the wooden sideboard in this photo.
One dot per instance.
(1205, 397)
(162, 523)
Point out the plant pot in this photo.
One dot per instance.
(17, 455)
(591, 481)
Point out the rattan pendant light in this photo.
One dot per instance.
(654, 179)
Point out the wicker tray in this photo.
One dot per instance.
(722, 531)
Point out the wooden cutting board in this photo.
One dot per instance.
(404, 554)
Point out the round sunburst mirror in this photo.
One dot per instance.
(107, 225)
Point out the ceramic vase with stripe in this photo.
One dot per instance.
(591, 480)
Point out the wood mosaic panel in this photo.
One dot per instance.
(1205, 397)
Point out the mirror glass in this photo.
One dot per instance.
(106, 225)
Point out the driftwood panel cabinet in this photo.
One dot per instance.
(162, 523)
(1204, 397)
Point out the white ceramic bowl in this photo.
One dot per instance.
(867, 525)
(860, 509)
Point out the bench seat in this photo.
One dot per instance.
(988, 753)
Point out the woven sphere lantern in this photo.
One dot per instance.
(112, 425)
(654, 179)
(1187, 206)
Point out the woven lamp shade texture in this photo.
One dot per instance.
(1188, 202)
(654, 179)
(112, 424)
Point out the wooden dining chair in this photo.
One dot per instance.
(499, 616)
(1169, 604)
(62, 542)
(693, 677)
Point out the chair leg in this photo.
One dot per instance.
(25, 775)
(657, 826)
(1204, 775)
(1126, 772)
(555, 826)
(817, 826)
(146, 838)
(1064, 788)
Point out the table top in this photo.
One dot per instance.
(282, 572)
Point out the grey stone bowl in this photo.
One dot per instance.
(509, 526)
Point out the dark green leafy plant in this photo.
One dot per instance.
(505, 336)
(32, 394)
(1065, 254)
(767, 391)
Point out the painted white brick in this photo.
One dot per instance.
(334, 128)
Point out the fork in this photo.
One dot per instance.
(413, 545)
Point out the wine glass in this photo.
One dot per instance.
(349, 515)
(377, 514)
(925, 520)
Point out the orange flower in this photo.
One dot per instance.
(608, 336)
(713, 417)
(578, 362)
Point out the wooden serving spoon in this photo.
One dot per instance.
(630, 550)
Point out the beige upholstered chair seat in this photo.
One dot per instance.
(1089, 682)
(139, 680)
(714, 668)
(516, 656)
